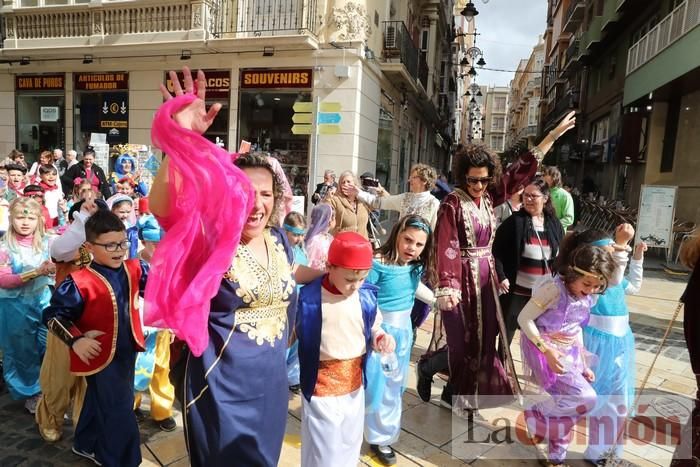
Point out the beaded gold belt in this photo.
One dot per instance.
(263, 324)
(476, 252)
(338, 377)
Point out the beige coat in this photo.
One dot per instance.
(349, 216)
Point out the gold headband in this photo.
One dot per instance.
(583, 272)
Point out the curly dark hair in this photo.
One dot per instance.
(589, 258)
(573, 241)
(475, 155)
(259, 160)
(427, 258)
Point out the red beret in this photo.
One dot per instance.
(143, 206)
(350, 250)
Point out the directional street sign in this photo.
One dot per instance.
(329, 107)
(303, 118)
(327, 117)
(328, 129)
(302, 129)
(303, 107)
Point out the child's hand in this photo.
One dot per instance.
(46, 268)
(623, 234)
(554, 357)
(589, 375)
(384, 343)
(88, 347)
(639, 250)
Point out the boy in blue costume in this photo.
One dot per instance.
(337, 325)
(95, 312)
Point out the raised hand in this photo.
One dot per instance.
(567, 123)
(193, 116)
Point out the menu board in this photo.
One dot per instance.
(657, 205)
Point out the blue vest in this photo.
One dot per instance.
(308, 329)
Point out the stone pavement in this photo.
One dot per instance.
(431, 435)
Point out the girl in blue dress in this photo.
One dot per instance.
(397, 270)
(26, 274)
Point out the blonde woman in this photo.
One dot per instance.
(351, 214)
(26, 272)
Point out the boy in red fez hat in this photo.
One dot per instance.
(337, 325)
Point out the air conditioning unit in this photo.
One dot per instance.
(390, 38)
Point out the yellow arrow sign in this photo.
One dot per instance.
(329, 107)
(303, 107)
(328, 129)
(302, 118)
(302, 129)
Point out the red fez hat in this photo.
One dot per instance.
(143, 206)
(350, 250)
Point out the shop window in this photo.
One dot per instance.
(101, 105)
(40, 123)
(265, 119)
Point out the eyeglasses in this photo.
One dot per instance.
(482, 180)
(532, 196)
(113, 247)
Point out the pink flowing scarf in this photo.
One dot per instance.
(207, 212)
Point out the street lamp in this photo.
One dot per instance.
(481, 61)
(469, 11)
(472, 72)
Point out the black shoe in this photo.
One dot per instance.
(140, 415)
(384, 454)
(446, 397)
(423, 383)
(295, 388)
(168, 424)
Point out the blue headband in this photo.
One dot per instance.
(419, 225)
(294, 230)
(603, 242)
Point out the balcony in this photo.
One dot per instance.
(591, 37)
(142, 22)
(672, 28)
(401, 58)
(610, 16)
(572, 53)
(574, 15)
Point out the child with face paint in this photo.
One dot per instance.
(126, 173)
(26, 272)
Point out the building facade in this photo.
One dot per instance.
(631, 70)
(524, 101)
(495, 116)
(381, 70)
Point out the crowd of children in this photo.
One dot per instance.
(350, 349)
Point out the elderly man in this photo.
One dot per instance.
(59, 162)
(323, 189)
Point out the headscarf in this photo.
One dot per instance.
(320, 220)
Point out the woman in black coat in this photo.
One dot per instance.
(86, 169)
(524, 248)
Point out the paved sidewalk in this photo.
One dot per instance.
(431, 435)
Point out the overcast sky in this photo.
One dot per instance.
(509, 30)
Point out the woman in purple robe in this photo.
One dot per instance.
(467, 290)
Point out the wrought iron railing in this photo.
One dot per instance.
(399, 46)
(572, 51)
(423, 71)
(573, 6)
(264, 17)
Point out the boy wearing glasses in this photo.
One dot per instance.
(95, 312)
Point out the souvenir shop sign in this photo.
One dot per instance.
(218, 83)
(101, 81)
(40, 82)
(257, 79)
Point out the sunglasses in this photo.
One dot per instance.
(482, 180)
